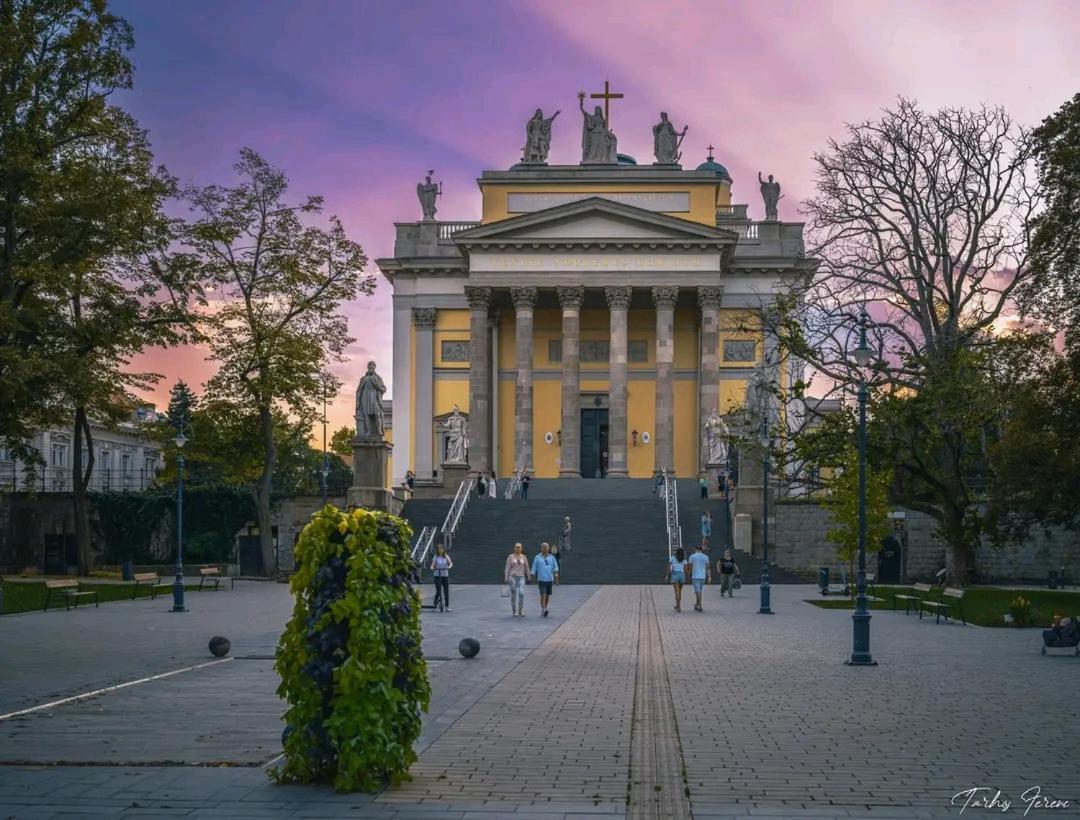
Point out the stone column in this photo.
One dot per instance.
(664, 299)
(524, 303)
(479, 382)
(709, 299)
(570, 452)
(618, 299)
(424, 327)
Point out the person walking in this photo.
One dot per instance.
(703, 483)
(525, 486)
(481, 485)
(410, 480)
(516, 575)
(658, 483)
(706, 529)
(676, 575)
(546, 570)
(700, 575)
(729, 571)
(492, 487)
(440, 569)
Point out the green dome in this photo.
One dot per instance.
(714, 166)
(625, 159)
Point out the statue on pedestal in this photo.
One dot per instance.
(666, 141)
(770, 192)
(598, 144)
(538, 137)
(426, 192)
(717, 435)
(457, 448)
(369, 406)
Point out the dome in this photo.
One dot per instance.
(625, 159)
(715, 167)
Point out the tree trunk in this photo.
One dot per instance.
(263, 490)
(956, 546)
(80, 481)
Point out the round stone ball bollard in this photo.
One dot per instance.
(469, 647)
(219, 646)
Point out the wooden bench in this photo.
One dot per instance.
(69, 588)
(151, 580)
(212, 575)
(943, 606)
(916, 599)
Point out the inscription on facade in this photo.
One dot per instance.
(659, 201)
(594, 351)
(455, 351)
(740, 350)
(598, 262)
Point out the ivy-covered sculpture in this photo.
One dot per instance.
(350, 663)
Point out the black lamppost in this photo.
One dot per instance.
(860, 654)
(325, 472)
(766, 589)
(178, 583)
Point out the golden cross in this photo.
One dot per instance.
(607, 97)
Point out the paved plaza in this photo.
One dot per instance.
(615, 705)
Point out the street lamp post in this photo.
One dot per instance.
(325, 473)
(178, 583)
(766, 588)
(860, 619)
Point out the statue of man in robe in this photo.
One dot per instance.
(717, 435)
(598, 144)
(770, 192)
(426, 192)
(369, 406)
(538, 137)
(666, 141)
(457, 447)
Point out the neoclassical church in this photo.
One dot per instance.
(594, 318)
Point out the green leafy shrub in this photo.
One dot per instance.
(350, 662)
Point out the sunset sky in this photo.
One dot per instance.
(355, 100)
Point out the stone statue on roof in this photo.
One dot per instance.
(538, 137)
(598, 144)
(426, 192)
(770, 192)
(666, 141)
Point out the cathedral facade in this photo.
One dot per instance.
(589, 324)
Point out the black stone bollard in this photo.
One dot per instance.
(469, 647)
(219, 646)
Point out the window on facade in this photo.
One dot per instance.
(740, 350)
(150, 464)
(637, 351)
(58, 454)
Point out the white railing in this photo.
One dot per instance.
(448, 229)
(423, 548)
(450, 524)
(671, 508)
(513, 485)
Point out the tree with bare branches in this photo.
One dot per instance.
(921, 217)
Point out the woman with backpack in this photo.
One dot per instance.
(729, 572)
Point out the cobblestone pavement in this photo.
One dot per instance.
(563, 717)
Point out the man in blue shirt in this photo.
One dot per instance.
(700, 574)
(546, 570)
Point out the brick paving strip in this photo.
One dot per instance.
(657, 776)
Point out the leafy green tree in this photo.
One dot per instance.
(278, 325)
(60, 62)
(842, 502)
(341, 441)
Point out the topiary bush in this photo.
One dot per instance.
(350, 662)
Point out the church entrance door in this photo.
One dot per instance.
(594, 442)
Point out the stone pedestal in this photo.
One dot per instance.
(370, 461)
(453, 475)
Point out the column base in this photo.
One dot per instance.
(618, 474)
(569, 473)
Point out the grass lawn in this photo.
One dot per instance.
(24, 596)
(982, 605)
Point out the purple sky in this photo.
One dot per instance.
(355, 100)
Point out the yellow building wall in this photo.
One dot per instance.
(732, 395)
(705, 196)
(740, 324)
(641, 416)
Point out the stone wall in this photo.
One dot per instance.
(800, 544)
(25, 520)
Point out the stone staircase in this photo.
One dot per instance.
(619, 536)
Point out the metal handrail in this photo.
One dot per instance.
(514, 484)
(671, 508)
(457, 508)
(422, 548)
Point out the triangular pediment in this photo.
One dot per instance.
(593, 220)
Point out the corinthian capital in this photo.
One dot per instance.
(479, 298)
(665, 297)
(523, 298)
(710, 296)
(618, 297)
(423, 318)
(570, 297)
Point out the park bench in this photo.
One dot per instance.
(920, 590)
(69, 588)
(212, 576)
(943, 606)
(151, 580)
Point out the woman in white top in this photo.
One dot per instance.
(515, 575)
(440, 568)
(492, 488)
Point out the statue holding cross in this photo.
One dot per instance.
(598, 144)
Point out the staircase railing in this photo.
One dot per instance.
(422, 549)
(513, 485)
(453, 517)
(671, 506)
